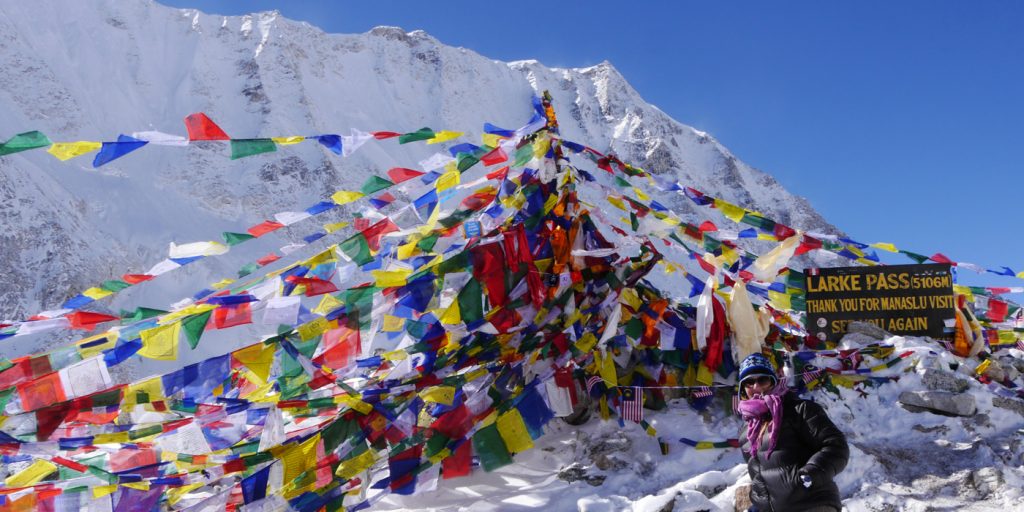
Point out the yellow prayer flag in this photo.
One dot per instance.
(390, 278)
(161, 342)
(767, 236)
(194, 309)
(393, 324)
(103, 490)
(350, 468)
(704, 375)
(223, 283)
(492, 140)
(327, 304)
(97, 293)
(406, 251)
(617, 202)
(608, 373)
(780, 300)
(959, 289)
(313, 329)
(331, 227)
(447, 180)
(641, 195)
(153, 388)
(452, 315)
(513, 431)
(586, 343)
(438, 394)
(36, 471)
(287, 141)
(705, 445)
(550, 203)
(257, 358)
(885, 246)
(109, 339)
(729, 210)
(69, 150)
(630, 298)
(346, 196)
(444, 136)
(142, 486)
(299, 458)
(541, 146)
(115, 438)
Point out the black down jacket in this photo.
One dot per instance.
(808, 443)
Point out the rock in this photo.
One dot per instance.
(867, 329)
(576, 472)
(938, 402)
(940, 380)
(995, 371)
(1010, 404)
(742, 501)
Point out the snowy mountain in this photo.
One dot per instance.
(89, 70)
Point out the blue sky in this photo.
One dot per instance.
(899, 121)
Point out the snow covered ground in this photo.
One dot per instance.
(900, 460)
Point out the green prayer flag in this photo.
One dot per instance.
(621, 182)
(465, 161)
(375, 184)
(140, 313)
(471, 305)
(24, 142)
(918, 258)
(421, 134)
(758, 222)
(356, 248)
(523, 155)
(426, 244)
(249, 268)
(487, 443)
(114, 285)
(241, 148)
(194, 326)
(233, 239)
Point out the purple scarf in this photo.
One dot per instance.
(756, 411)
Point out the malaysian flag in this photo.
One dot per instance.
(591, 382)
(811, 374)
(702, 392)
(632, 407)
(1020, 344)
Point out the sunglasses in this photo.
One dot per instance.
(761, 381)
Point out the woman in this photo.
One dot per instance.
(793, 450)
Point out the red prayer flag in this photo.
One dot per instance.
(385, 135)
(136, 278)
(267, 260)
(783, 231)
(41, 392)
(941, 258)
(87, 320)
(264, 228)
(400, 174)
(499, 174)
(997, 310)
(201, 127)
(230, 316)
(495, 156)
(376, 231)
(707, 226)
(459, 463)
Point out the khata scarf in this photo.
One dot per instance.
(756, 411)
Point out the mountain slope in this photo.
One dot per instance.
(85, 70)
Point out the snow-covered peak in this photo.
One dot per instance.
(88, 70)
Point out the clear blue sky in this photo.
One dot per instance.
(900, 121)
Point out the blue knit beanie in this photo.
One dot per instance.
(755, 365)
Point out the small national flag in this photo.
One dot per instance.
(703, 392)
(811, 374)
(632, 407)
(591, 382)
(1020, 344)
(948, 345)
(735, 403)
